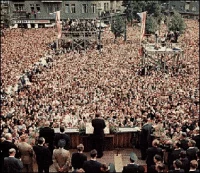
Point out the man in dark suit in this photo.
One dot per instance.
(4, 149)
(177, 164)
(8, 144)
(62, 135)
(175, 154)
(196, 138)
(192, 150)
(184, 141)
(48, 134)
(43, 156)
(132, 166)
(78, 158)
(12, 164)
(151, 152)
(92, 165)
(185, 161)
(98, 136)
(145, 137)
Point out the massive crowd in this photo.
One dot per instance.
(72, 87)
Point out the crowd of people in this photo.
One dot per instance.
(72, 87)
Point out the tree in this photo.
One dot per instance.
(176, 23)
(132, 8)
(118, 26)
(151, 25)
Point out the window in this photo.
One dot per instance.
(73, 8)
(56, 7)
(84, 8)
(38, 7)
(187, 6)
(194, 8)
(67, 8)
(49, 8)
(32, 7)
(94, 7)
(19, 7)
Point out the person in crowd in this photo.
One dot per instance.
(185, 161)
(192, 150)
(26, 152)
(62, 135)
(184, 141)
(151, 152)
(160, 167)
(78, 158)
(145, 137)
(8, 144)
(132, 166)
(198, 159)
(196, 137)
(193, 166)
(61, 157)
(42, 155)
(92, 165)
(48, 134)
(98, 135)
(157, 160)
(12, 164)
(177, 164)
(175, 154)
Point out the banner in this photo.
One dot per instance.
(143, 16)
(58, 24)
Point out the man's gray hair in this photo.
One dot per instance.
(12, 150)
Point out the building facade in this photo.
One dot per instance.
(186, 8)
(42, 12)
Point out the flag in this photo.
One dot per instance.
(58, 24)
(142, 16)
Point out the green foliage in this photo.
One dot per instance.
(176, 23)
(151, 25)
(133, 7)
(118, 26)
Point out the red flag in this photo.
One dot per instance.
(58, 24)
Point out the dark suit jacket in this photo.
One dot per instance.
(77, 160)
(43, 155)
(184, 144)
(196, 138)
(99, 125)
(130, 168)
(151, 152)
(185, 164)
(4, 149)
(145, 136)
(12, 165)
(91, 166)
(48, 133)
(64, 136)
(191, 153)
(175, 154)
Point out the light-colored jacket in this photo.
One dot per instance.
(26, 151)
(61, 159)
